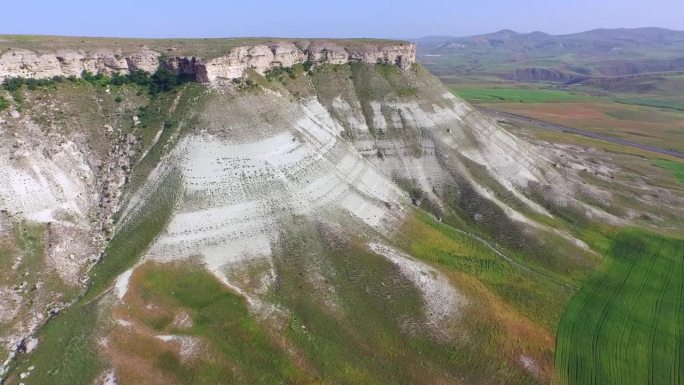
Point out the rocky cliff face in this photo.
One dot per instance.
(261, 57)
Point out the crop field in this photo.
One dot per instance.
(626, 324)
(517, 95)
(674, 104)
(675, 167)
(648, 125)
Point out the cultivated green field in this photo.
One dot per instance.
(517, 95)
(676, 168)
(654, 102)
(626, 326)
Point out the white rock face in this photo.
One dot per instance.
(261, 57)
(145, 60)
(238, 193)
(29, 64)
(47, 180)
(442, 301)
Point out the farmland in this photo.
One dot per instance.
(517, 95)
(625, 325)
(647, 125)
(676, 168)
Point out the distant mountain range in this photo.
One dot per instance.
(538, 56)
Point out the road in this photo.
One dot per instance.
(577, 131)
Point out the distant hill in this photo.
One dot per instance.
(538, 56)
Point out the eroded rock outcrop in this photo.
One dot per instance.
(261, 57)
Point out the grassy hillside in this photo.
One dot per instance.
(325, 308)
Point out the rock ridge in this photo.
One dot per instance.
(26, 63)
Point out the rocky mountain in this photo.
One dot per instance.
(571, 58)
(298, 212)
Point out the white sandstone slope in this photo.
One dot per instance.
(48, 179)
(45, 184)
(444, 132)
(238, 191)
(440, 144)
(58, 192)
(346, 148)
(442, 301)
(255, 160)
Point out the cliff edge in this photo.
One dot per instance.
(21, 59)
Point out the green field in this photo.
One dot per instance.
(517, 95)
(676, 168)
(626, 324)
(654, 102)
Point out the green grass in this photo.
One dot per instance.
(339, 340)
(29, 239)
(26, 241)
(362, 322)
(69, 336)
(517, 95)
(626, 324)
(532, 294)
(240, 349)
(675, 167)
(133, 239)
(159, 114)
(649, 102)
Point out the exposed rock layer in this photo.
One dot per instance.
(261, 57)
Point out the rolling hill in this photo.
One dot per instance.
(305, 212)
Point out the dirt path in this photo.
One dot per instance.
(577, 131)
(511, 260)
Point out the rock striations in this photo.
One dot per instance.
(261, 57)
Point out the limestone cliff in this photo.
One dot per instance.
(20, 62)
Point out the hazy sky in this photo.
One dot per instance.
(348, 18)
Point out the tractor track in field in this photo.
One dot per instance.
(577, 131)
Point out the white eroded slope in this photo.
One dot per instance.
(442, 301)
(238, 192)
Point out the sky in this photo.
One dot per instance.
(348, 18)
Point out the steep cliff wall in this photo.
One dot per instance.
(18, 62)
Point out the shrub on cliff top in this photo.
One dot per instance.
(12, 84)
(4, 104)
(95, 79)
(163, 80)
